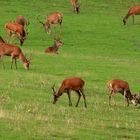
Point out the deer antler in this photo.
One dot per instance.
(53, 88)
(54, 36)
(37, 18)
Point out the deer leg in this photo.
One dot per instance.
(133, 18)
(83, 97)
(126, 99)
(11, 63)
(7, 35)
(79, 96)
(70, 103)
(1, 60)
(12, 37)
(60, 26)
(110, 97)
(16, 63)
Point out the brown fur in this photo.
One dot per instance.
(54, 48)
(120, 86)
(76, 6)
(73, 83)
(132, 12)
(13, 51)
(16, 28)
(22, 21)
(52, 18)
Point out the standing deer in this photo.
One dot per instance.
(132, 12)
(15, 52)
(15, 28)
(73, 83)
(122, 87)
(52, 18)
(76, 6)
(54, 48)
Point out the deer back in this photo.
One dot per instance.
(134, 10)
(118, 85)
(73, 83)
(55, 18)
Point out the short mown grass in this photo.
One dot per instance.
(97, 47)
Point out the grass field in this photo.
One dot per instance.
(97, 47)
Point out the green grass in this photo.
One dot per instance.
(97, 48)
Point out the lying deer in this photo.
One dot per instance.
(52, 18)
(132, 12)
(73, 83)
(76, 6)
(122, 87)
(54, 48)
(15, 52)
(15, 28)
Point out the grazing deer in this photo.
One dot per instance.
(74, 83)
(132, 12)
(22, 21)
(15, 28)
(15, 52)
(54, 48)
(122, 87)
(76, 6)
(52, 18)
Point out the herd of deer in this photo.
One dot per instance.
(76, 84)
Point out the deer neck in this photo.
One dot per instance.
(47, 25)
(129, 95)
(55, 46)
(22, 58)
(60, 91)
(126, 17)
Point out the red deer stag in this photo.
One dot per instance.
(132, 12)
(15, 28)
(52, 18)
(122, 87)
(75, 5)
(74, 83)
(54, 48)
(15, 52)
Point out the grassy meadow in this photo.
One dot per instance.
(97, 47)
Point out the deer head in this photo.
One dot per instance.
(28, 62)
(47, 27)
(55, 96)
(58, 42)
(136, 97)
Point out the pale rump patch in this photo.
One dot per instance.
(133, 102)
